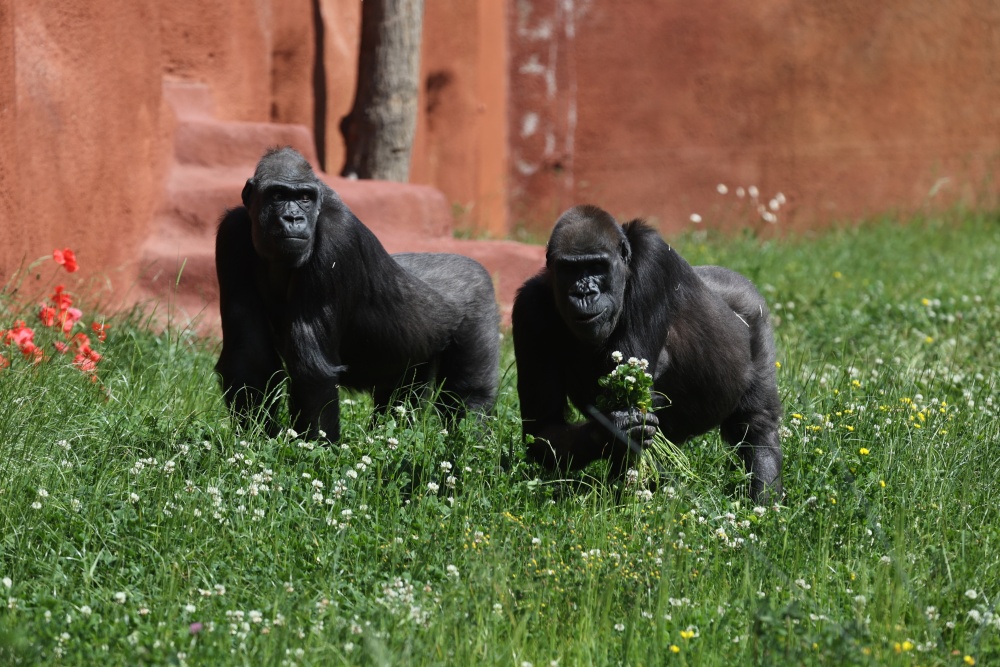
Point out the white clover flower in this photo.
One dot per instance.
(740, 192)
(445, 466)
(353, 474)
(760, 511)
(347, 514)
(36, 505)
(432, 487)
(292, 433)
(971, 594)
(695, 218)
(535, 541)
(42, 493)
(721, 188)
(620, 627)
(802, 584)
(120, 597)
(752, 191)
(617, 357)
(452, 571)
(190, 608)
(7, 583)
(450, 481)
(392, 442)
(317, 484)
(497, 608)
(401, 410)
(367, 460)
(133, 497)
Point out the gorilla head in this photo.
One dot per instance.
(588, 256)
(284, 199)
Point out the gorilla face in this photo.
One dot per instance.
(284, 200)
(587, 259)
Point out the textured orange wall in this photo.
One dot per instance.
(85, 137)
(848, 108)
(461, 140)
(82, 158)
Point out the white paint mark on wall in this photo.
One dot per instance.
(529, 124)
(533, 66)
(525, 168)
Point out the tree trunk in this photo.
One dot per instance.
(378, 132)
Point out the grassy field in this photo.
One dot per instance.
(137, 528)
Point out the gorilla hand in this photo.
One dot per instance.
(638, 427)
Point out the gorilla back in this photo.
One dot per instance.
(307, 292)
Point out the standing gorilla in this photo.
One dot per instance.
(704, 330)
(306, 289)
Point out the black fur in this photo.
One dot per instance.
(307, 290)
(704, 330)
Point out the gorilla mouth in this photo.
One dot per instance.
(293, 241)
(589, 318)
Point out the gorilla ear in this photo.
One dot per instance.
(248, 191)
(626, 251)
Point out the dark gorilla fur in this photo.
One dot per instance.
(704, 330)
(307, 291)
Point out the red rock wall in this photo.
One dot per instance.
(849, 108)
(80, 150)
(461, 139)
(85, 137)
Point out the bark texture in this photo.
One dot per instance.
(379, 130)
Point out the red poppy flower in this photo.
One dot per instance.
(61, 346)
(87, 360)
(47, 314)
(19, 335)
(101, 330)
(81, 341)
(69, 317)
(4, 362)
(67, 258)
(32, 351)
(60, 299)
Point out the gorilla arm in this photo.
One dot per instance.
(541, 386)
(249, 365)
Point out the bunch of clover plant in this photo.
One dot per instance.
(629, 386)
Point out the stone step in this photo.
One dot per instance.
(196, 197)
(207, 142)
(182, 269)
(188, 99)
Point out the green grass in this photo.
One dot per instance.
(156, 517)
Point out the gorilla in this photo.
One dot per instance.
(704, 330)
(307, 292)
